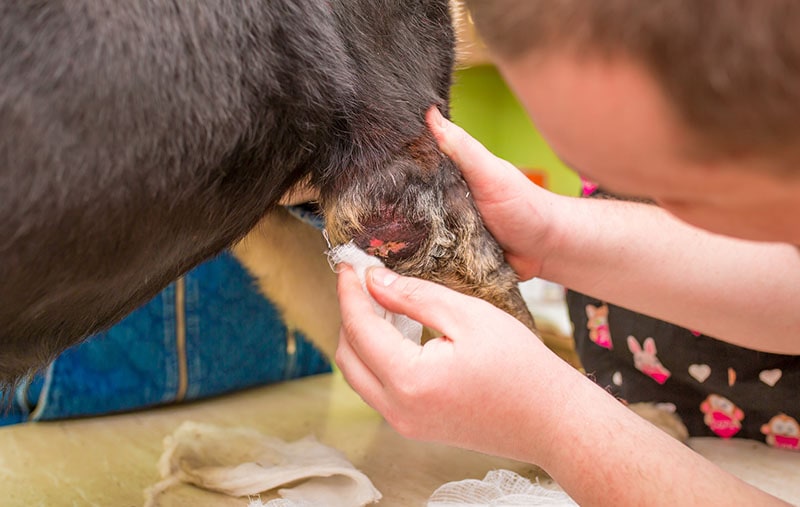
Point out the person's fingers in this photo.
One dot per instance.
(354, 303)
(377, 343)
(488, 176)
(428, 303)
(358, 375)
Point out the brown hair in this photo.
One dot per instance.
(731, 68)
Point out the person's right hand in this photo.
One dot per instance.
(486, 384)
(517, 212)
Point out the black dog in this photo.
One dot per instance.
(139, 138)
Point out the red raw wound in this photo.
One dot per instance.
(393, 240)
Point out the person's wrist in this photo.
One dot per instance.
(564, 415)
(548, 211)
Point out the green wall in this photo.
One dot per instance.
(484, 106)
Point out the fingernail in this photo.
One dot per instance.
(383, 276)
(439, 124)
(438, 118)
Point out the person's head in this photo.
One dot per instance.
(694, 103)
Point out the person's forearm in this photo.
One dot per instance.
(611, 456)
(640, 257)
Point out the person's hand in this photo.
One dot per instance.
(470, 387)
(519, 214)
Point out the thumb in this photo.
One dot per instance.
(428, 303)
(487, 176)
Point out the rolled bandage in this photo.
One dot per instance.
(360, 261)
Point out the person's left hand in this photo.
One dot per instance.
(470, 387)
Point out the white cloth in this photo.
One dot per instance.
(242, 462)
(278, 502)
(498, 488)
(360, 261)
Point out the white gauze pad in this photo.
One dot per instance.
(360, 261)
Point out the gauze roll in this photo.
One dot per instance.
(500, 488)
(360, 261)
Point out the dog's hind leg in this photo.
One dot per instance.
(287, 257)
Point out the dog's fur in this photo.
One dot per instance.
(286, 258)
(139, 138)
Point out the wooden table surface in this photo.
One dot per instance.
(109, 461)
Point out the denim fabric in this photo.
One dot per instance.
(234, 339)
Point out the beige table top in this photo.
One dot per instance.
(109, 461)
